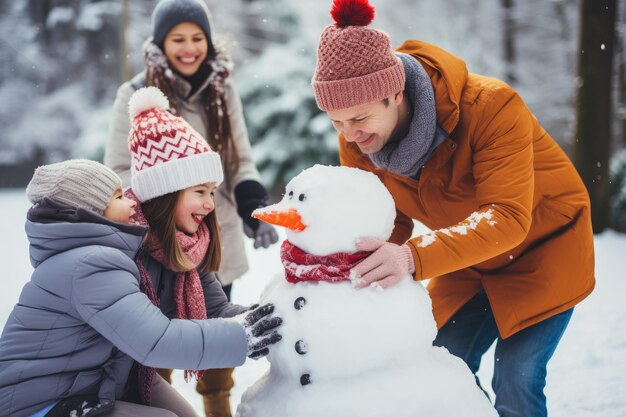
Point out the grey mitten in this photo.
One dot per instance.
(264, 235)
(261, 330)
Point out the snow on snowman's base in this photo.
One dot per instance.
(436, 385)
(348, 352)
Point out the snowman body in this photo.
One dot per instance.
(348, 352)
(354, 352)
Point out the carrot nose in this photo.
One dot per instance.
(289, 218)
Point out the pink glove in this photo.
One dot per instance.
(385, 267)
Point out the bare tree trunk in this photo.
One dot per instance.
(124, 53)
(593, 130)
(620, 94)
(508, 24)
(621, 75)
(262, 25)
(560, 12)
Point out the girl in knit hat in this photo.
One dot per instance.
(68, 346)
(174, 175)
(183, 60)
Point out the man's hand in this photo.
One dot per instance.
(384, 267)
(264, 235)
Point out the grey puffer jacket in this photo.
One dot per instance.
(117, 157)
(81, 320)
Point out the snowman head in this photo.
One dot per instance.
(325, 209)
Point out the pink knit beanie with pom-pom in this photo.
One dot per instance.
(355, 64)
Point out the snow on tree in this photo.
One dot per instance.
(62, 63)
(59, 65)
(276, 86)
(287, 130)
(618, 191)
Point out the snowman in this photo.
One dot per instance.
(345, 351)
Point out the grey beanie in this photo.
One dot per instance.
(169, 13)
(80, 183)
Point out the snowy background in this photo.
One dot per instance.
(585, 377)
(61, 62)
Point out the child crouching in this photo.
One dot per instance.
(69, 344)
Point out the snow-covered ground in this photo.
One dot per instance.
(584, 379)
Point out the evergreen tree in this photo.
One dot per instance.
(287, 130)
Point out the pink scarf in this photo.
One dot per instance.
(302, 266)
(188, 292)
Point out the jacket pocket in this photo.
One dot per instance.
(86, 382)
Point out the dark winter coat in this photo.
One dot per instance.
(81, 320)
(534, 254)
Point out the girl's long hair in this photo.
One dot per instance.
(219, 133)
(159, 212)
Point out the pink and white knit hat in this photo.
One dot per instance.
(168, 155)
(355, 64)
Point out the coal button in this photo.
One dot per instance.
(305, 379)
(299, 303)
(301, 347)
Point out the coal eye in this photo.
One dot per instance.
(290, 194)
(301, 197)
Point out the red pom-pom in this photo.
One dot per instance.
(352, 13)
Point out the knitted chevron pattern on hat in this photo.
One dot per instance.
(355, 64)
(168, 155)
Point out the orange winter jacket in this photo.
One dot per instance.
(509, 212)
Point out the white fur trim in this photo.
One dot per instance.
(146, 98)
(175, 175)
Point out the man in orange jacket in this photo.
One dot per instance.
(511, 248)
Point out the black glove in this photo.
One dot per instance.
(80, 406)
(261, 330)
(251, 195)
(264, 236)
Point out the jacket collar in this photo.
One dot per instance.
(53, 227)
(448, 74)
(183, 87)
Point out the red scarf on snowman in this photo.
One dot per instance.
(302, 266)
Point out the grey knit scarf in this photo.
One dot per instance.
(407, 155)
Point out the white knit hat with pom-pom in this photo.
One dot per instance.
(168, 155)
